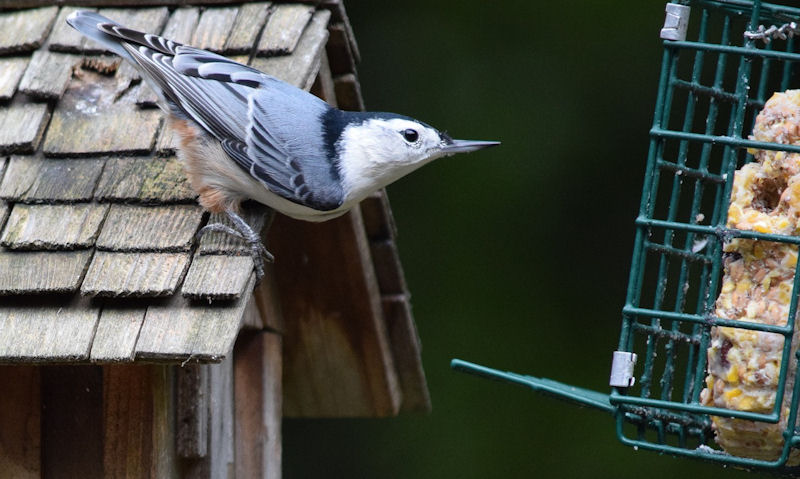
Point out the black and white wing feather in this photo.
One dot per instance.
(269, 128)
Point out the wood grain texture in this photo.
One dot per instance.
(323, 86)
(4, 210)
(301, 67)
(192, 411)
(150, 20)
(214, 27)
(348, 92)
(182, 25)
(248, 25)
(25, 31)
(256, 215)
(378, 220)
(169, 141)
(42, 272)
(53, 226)
(48, 74)
(337, 357)
(388, 269)
(217, 277)
(120, 131)
(150, 228)
(137, 427)
(268, 313)
(407, 353)
(11, 70)
(146, 180)
(21, 417)
(64, 38)
(116, 335)
(185, 330)
(339, 50)
(284, 27)
(47, 330)
(258, 408)
(34, 179)
(72, 408)
(21, 127)
(134, 274)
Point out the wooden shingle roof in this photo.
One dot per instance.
(98, 259)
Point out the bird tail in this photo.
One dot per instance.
(89, 23)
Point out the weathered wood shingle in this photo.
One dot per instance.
(150, 228)
(122, 131)
(53, 226)
(217, 277)
(64, 38)
(214, 242)
(146, 180)
(245, 30)
(21, 127)
(134, 274)
(11, 70)
(284, 28)
(25, 30)
(34, 179)
(213, 29)
(42, 271)
(117, 332)
(48, 74)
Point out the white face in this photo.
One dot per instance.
(379, 151)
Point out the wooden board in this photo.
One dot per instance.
(192, 411)
(283, 29)
(48, 74)
(218, 277)
(72, 408)
(42, 271)
(21, 417)
(11, 70)
(337, 357)
(64, 38)
(34, 179)
(182, 25)
(117, 332)
(134, 274)
(146, 180)
(138, 426)
(21, 127)
(248, 25)
(26, 30)
(121, 131)
(47, 329)
(214, 27)
(150, 228)
(258, 408)
(53, 226)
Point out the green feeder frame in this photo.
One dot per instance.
(710, 90)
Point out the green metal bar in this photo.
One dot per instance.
(581, 396)
(696, 408)
(688, 172)
(708, 320)
(671, 250)
(721, 232)
(742, 51)
(724, 140)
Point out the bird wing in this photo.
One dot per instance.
(269, 128)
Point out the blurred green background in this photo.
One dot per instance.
(516, 257)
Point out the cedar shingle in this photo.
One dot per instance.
(300, 68)
(26, 30)
(48, 74)
(217, 277)
(42, 271)
(53, 226)
(120, 131)
(150, 228)
(348, 92)
(387, 267)
(378, 221)
(59, 330)
(21, 127)
(283, 30)
(117, 332)
(64, 38)
(11, 70)
(182, 24)
(33, 179)
(406, 351)
(214, 27)
(168, 140)
(4, 209)
(245, 31)
(134, 274)
(149, 180)
(254, 214)
(183, 329)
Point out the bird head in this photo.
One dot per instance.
(377, 149)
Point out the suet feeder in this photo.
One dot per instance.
(722, 62)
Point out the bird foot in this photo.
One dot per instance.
(244, 232)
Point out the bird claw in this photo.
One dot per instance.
(244, 232)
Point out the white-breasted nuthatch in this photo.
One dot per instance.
(247, 135)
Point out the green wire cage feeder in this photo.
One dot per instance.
(722, 62)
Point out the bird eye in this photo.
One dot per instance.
(410, 135)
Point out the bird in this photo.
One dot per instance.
(245, 134)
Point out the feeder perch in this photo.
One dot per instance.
(722, 62)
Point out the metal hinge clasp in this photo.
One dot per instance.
(676, 22)
(622, 369)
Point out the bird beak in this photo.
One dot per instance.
(465, 146)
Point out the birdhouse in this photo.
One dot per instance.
(128, 347)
